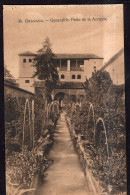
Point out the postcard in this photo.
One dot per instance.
(64, 100)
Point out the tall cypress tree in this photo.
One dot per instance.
(45, 65)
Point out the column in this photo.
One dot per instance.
(68, 65)
(52, 95)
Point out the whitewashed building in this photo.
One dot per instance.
(71, 68)
(115, 67)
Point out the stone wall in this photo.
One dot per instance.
(17, 92)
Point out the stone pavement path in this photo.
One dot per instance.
(65, 176)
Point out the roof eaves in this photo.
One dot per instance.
(18, 88)
(27, 54)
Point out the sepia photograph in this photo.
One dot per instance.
(64, 100)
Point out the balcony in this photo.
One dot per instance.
(78, 68)
(71, 68)
(70, 65)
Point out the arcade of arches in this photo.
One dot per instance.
(64, 93)
(64, 96)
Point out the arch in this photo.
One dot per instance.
(100, 120)
(51, 105)
(94, 128)
(59, 97)
(25, 109)
(54, 111)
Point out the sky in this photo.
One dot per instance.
(103, 38)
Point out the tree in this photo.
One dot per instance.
(97, 86)
(45, 66)
(9, 78)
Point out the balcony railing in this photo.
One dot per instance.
(71, 69)
(76, 69)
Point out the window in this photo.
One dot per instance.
(78, 76)
(27, 81)
(24, 60)
(62, 76)
(73, 76)
(30, 60)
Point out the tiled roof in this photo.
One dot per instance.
(27, 53)
(70, 85)
(17, 88)
(11, 83)
(66, 56)
(78, 56)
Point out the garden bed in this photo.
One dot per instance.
(26, 153)
(23, 167)
(98, 123)
(84, 159)
(87, 161)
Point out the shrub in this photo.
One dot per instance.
(22, 164)
(14, 118)
(22, 167)
(108, 105)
